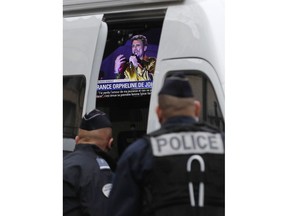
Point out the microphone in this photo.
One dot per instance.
(138, 60)
(130, 63)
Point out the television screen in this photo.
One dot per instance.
(128, 69)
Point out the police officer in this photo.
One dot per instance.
(176, 170)
(87, 174)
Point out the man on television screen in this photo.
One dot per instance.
(139, 66)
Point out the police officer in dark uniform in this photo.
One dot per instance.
(176, 170)
(87, 174)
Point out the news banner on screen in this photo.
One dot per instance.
(123, 88)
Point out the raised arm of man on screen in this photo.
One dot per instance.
(139, 66)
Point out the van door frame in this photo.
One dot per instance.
(84, 40)
(184, 64)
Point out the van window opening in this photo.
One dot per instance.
(125, 98)
(73, 98)
(205, 93)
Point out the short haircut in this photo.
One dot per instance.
(140, 37)
(175, 106)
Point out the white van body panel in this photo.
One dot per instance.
(82, 36)
(104, 5)
(175, 65)
(79, 43)
(192, 39)
(85, 7)
(195, 30)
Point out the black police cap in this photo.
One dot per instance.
(177, 86)
(94, 120)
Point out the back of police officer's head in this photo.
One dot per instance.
(176, 98)
(95, 128)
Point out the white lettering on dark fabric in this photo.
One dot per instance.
(187, 143)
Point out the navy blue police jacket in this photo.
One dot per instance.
(129, 198)
(87, 179)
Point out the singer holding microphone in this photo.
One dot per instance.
(139, 66)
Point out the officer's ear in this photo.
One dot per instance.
(159, 113)
(110, 143)
(145, 48)
(77, 139)
(197, 107)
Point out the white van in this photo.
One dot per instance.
(184, 36)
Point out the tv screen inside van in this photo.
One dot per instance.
(128, 66)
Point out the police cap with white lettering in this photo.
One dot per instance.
(177, 86)
(94, 120)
